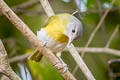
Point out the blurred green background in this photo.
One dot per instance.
(34, 16)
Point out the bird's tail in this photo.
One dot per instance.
(36, 56)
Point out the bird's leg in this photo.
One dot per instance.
(63, 64)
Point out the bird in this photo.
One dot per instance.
(58, 32)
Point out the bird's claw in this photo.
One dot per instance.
(62, 67)
(65, 68)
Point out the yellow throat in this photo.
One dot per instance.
(56, 27)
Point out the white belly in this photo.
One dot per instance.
(53, 45)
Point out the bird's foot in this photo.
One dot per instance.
(63, 65)
(65, 68)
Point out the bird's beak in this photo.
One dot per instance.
(70, 41)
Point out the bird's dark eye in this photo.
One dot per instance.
(73, 30)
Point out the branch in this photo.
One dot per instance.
(80, 62)
(23, 28)
(90, 50)
(19, 58)
(46, 6)
(103, 11)
(21, 7)
(26, 4)
(99, 50)
(103, 23)
(5, 68)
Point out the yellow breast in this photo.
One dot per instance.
(56, 26)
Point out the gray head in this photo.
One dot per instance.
(74, 29)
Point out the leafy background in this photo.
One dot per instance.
(16, 44)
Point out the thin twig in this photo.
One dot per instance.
(98, 50)
(5, 67)
(90, 50)
(74, 12)
(102, 25)
(75, 69)
(112, 36)
(21, 7)
(19, 58)
(78, 5)
(113, 61)
(103, 11)
(24, 29)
